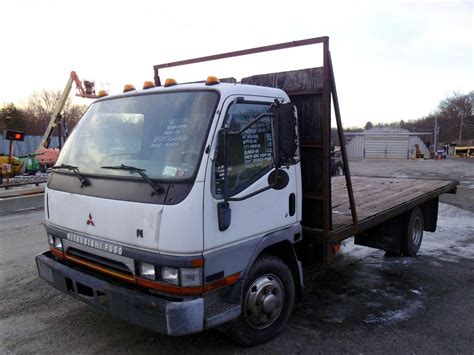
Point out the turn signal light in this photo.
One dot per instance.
(170, 82)
(148, 85)
(212, 80)
(128, 87)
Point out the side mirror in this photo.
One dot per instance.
(224, 214)
(285, 135)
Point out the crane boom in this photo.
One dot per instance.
(56, 114)
(88, 92)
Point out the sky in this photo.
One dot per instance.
(393, 60)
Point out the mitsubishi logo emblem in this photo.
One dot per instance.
(90, 221)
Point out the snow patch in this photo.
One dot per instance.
(453, 239)
(393, 316)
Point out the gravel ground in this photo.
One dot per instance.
(364, 302)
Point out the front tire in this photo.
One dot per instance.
(268, 299)
(413, 233)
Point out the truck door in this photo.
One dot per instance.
(249, 167)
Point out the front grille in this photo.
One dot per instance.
(99, 260)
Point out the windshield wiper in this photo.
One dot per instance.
(75, 170)
(158, 189)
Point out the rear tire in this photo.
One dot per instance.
(267, 303)
(413, 233)
(338, 169)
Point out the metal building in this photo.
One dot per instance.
(385, 143)
(28, 146)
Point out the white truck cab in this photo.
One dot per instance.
(186, 207)
(138, 216)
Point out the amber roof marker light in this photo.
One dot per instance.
(148, 85)
(170, 82)
(128, 87)
(212, 80)
(102, 93)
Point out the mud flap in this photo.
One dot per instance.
(386, 236)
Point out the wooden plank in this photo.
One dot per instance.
(362, 190)
(374, 196)
(394, 191)
(395, 194)
(339, 183)
(349, 230)
(298, 81)
(369, 188)
(383, 200)
(390, 200)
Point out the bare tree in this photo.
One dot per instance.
(454, 110)
(40, 107)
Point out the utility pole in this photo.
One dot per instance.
(435, 143)
(460, 128)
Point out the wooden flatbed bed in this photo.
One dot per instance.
(378, 199)
(370, 208)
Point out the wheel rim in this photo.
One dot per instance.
(417, 231)
(264, 301)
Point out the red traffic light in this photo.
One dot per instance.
(14, 135)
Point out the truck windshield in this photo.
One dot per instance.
(161, 133)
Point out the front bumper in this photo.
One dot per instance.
(152, 312)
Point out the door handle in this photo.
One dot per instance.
(292, 204)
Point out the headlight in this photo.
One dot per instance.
(186, 277)
(57, 243)
(191, 276)
(170, 275)
(147, 270)
(50, 240)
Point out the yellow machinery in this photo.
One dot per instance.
(464, 152)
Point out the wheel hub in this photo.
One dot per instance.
(264, 301)
(270, 303)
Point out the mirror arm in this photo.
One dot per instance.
(226, 180)
(276, 143)
(250, 195)
(226, 132)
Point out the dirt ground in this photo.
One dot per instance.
(364, 302)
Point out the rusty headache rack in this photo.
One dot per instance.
(326, 220)
(319, 146)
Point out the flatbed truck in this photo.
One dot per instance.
(185, 207)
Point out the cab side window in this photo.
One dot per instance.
(250, 154)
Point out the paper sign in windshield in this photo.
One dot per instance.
(169, 171)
